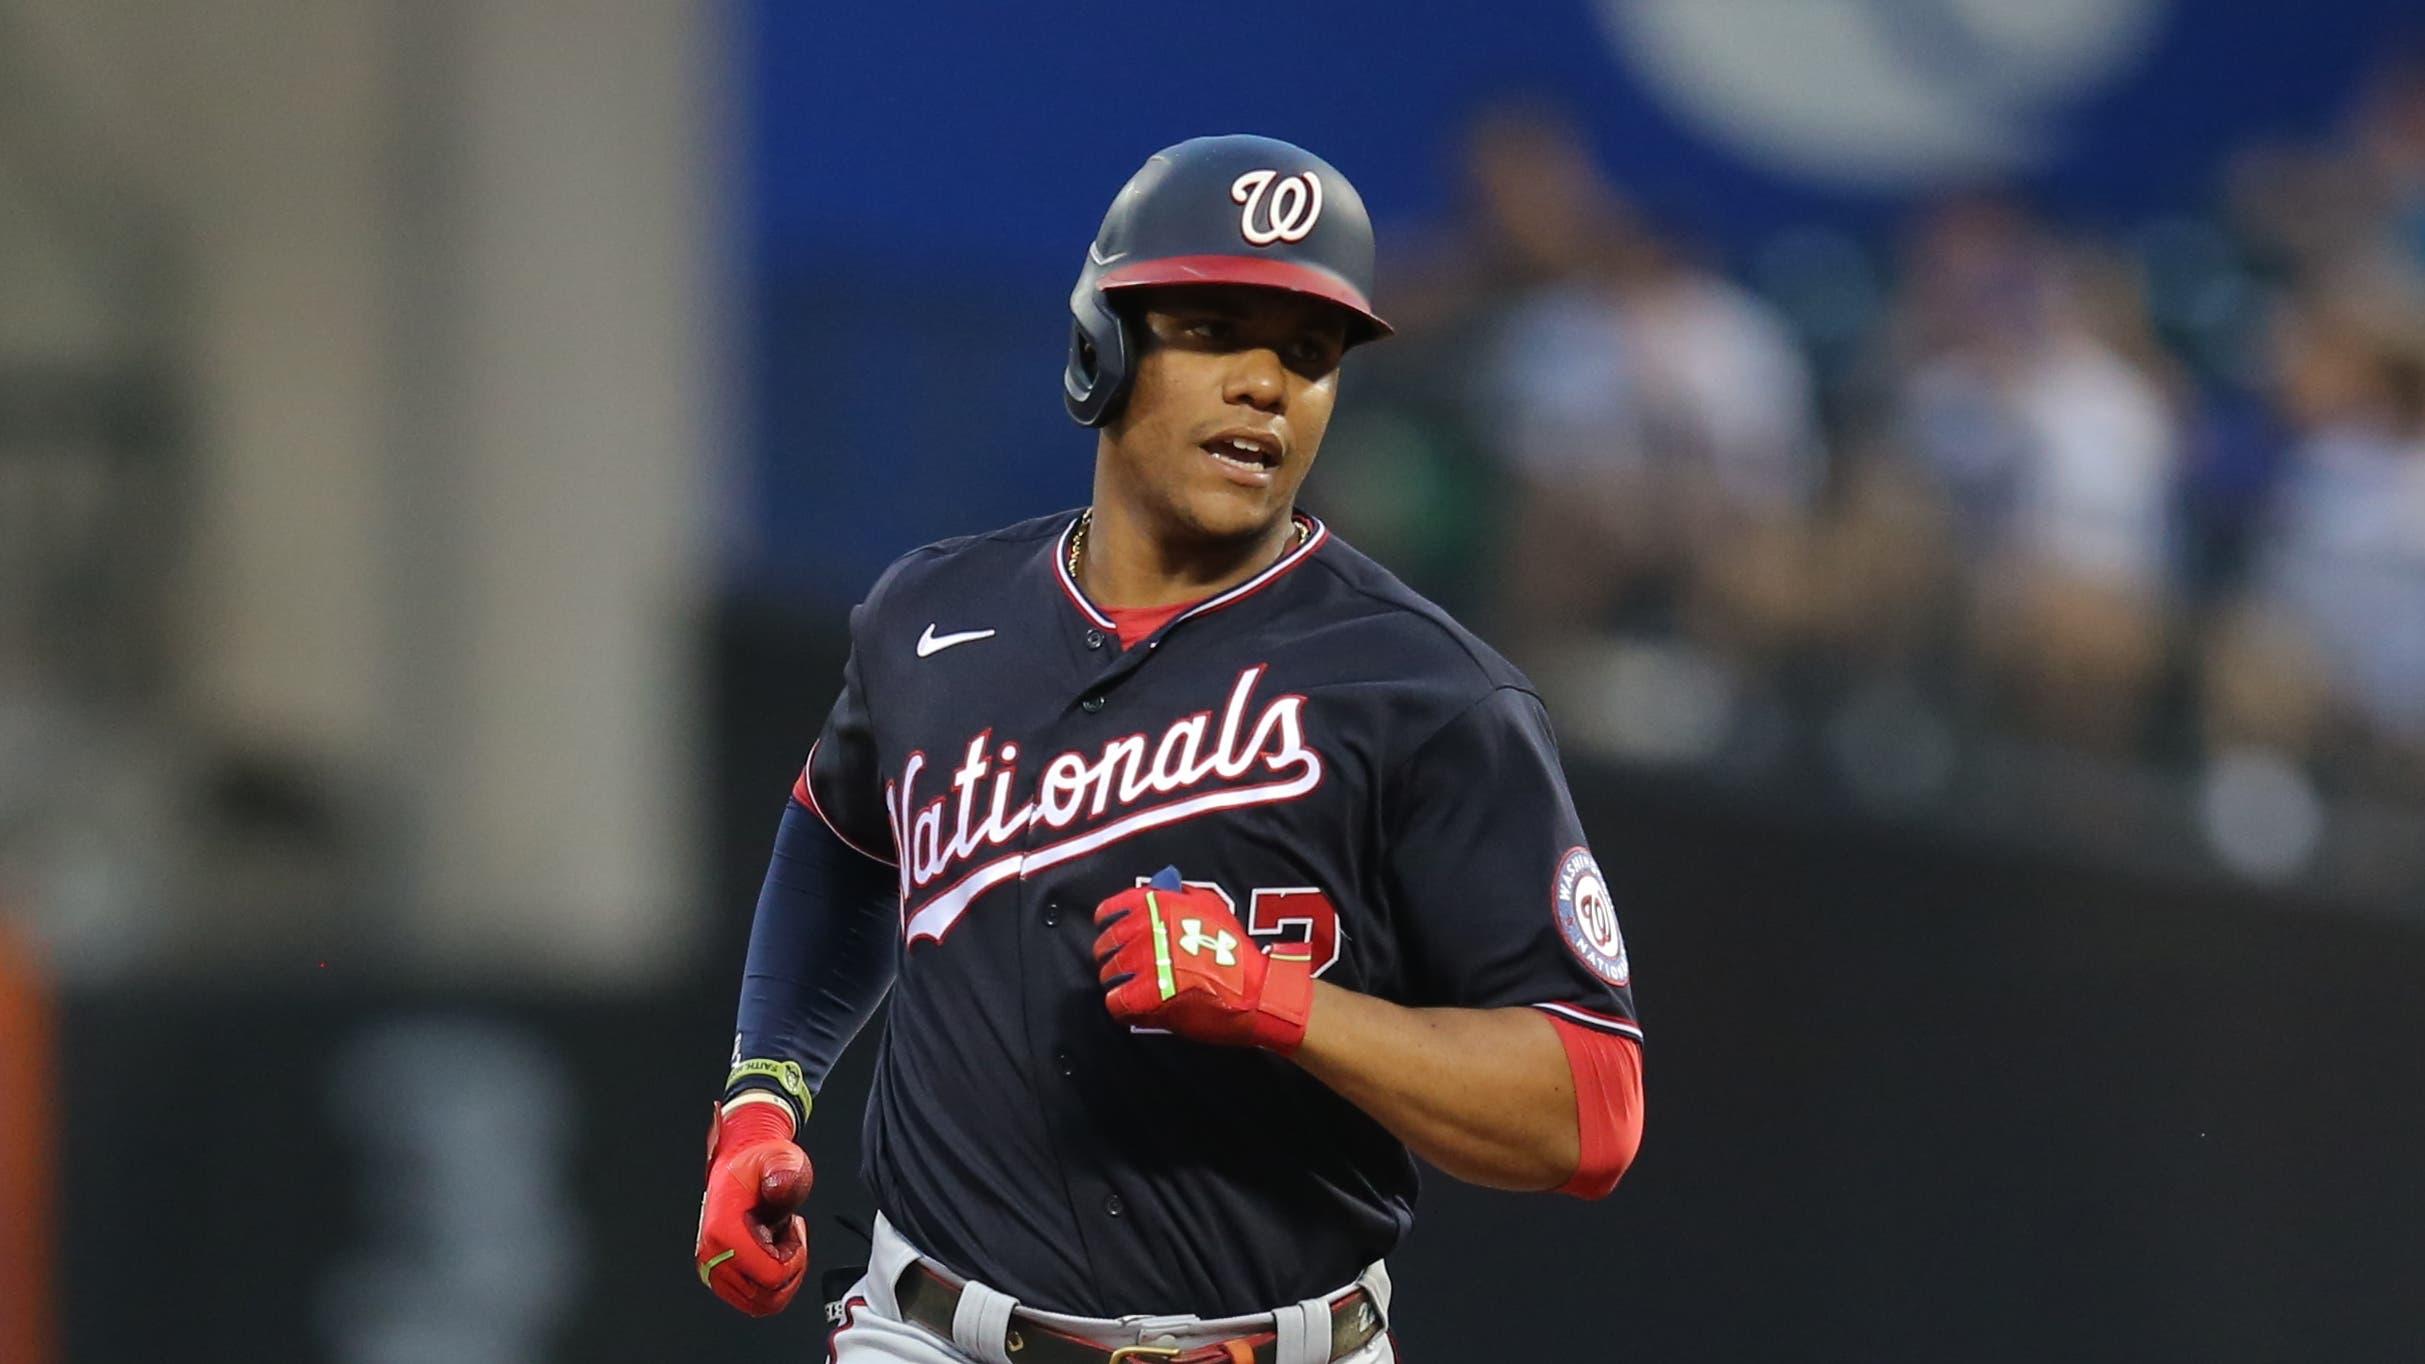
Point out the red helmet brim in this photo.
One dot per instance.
(1261, 272)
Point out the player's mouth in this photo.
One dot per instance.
(1246, 457)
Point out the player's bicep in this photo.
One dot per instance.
(1497, 896)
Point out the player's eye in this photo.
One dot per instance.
(1211, 329)
(1314, 353)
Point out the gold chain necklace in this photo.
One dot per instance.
(1077, 541)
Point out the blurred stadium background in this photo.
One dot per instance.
(1957, 468)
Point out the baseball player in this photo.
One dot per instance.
(1214, 873)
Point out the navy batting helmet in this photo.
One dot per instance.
(1216, 210)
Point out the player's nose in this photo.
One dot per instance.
(1257, 379)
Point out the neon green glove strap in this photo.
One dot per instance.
(1162, 977)
(785, 1074)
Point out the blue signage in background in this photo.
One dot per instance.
(921, 184)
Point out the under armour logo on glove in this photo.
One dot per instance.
(1196, 942)
(1169, 957)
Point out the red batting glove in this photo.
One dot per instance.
(753, 1243)
(1179, 959)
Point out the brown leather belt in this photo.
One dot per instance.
(931, 1301)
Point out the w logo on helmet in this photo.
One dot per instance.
(1295, 206)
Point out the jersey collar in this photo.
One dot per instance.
(1316, 534)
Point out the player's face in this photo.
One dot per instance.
(1233, 392)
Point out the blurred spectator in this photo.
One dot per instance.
(1552, 392)
(2053, 447)
(2339, 601)
(1657, 419)
(1411, 471)
(1730, 412)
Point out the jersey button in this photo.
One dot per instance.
(1067, 1063)
(1115, 1206)
(1094, 639)
(1092, 704)
(1052, 915)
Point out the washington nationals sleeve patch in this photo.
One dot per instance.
(1587, 917)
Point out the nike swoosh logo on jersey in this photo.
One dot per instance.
(931, 643)
(1100, 259)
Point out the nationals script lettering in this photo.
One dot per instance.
(1135, 782)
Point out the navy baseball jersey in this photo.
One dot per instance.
(1333, 753)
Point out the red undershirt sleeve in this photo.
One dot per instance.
(1608, 1105)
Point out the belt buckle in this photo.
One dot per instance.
(1121, 1354)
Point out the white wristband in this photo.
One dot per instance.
(761, 1096)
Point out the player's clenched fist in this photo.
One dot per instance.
(1174, 956)
(753, 1243)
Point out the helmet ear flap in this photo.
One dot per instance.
(1096, 376)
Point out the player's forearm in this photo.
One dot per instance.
(821, 954)
(1484, 1094)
